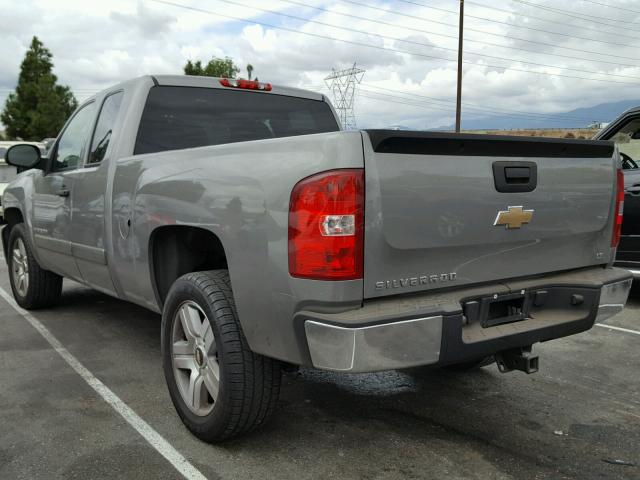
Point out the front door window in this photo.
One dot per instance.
(74, 139)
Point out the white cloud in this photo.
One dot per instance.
(96, 44)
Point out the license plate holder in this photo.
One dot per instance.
(494, 310)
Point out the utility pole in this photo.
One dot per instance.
(342, 84)
(459, 97)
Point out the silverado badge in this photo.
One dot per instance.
(513, 217)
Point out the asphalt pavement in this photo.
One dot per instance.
(578, 418)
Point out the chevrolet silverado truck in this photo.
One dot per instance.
(269, 238)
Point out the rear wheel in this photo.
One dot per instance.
(33, 287)
(219, 387)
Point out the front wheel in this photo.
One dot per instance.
(33, 287)
(219, 387)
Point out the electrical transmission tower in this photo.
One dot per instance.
(342, 84)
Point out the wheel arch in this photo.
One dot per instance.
(175, 250)
(12, 217)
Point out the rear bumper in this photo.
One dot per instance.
(430, 329)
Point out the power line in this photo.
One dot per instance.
(523, 26)
(378, 47)
(395, 100)
(467, 105)
(387, 37)
(486, 111)
(484, 32)
(569, 13)
(381, 22)
(417, 103)
(481, 112)
(563, 24)
(615, 7)
(450, 110)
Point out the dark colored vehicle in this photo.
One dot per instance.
(625, 132)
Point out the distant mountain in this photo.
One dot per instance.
(580, 117)
(399, 127)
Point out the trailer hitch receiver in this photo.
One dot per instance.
(517, 359)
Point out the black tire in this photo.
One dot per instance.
(249, 384)
(472, 365)
(44, 287)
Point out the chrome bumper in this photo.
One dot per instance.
(378, 347)
(613, 297)
(413, 342)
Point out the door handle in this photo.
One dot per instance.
(63, 192)
(633, 190)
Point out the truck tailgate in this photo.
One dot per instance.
(434, 201)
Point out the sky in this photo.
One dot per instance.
(527, 58)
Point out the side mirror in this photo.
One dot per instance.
(23, 156)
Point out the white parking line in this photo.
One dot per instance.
(620, 329)
(156, 440)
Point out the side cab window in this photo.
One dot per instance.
(73, 140)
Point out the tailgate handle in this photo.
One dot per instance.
(511, 177)
(517, 174)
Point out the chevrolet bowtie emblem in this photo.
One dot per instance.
(513, 217)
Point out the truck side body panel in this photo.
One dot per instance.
(239, 192)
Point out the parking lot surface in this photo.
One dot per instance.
(579, 417)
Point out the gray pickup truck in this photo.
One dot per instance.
(269, 238)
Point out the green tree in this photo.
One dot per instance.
(217, 67)
(39, 106)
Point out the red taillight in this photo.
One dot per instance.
(617, 219)
(246, 84)
(326, 226)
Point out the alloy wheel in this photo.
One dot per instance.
(195, 358)
(20, 267)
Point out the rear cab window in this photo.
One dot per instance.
(186, 117)
(104, 127)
